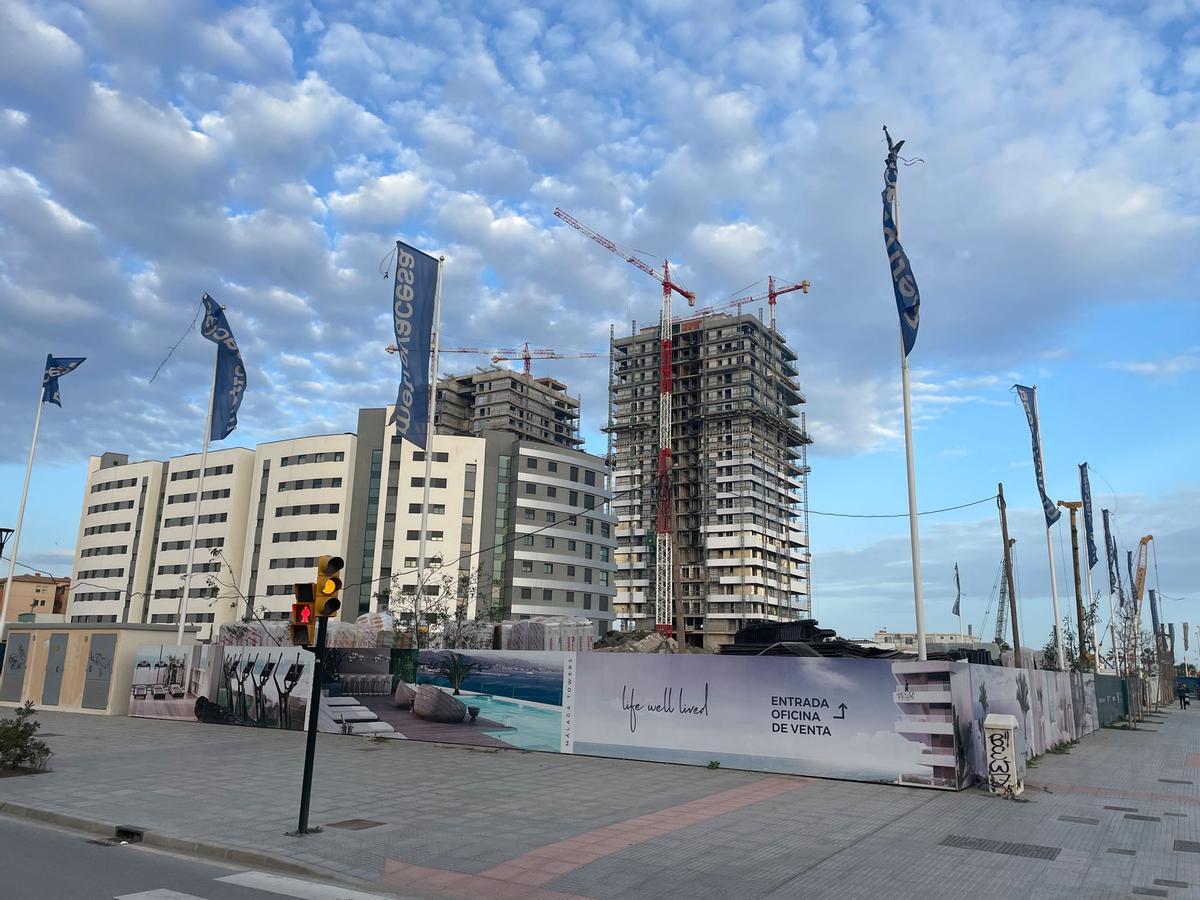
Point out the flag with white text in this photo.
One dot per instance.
(229, 382)
(414, 294)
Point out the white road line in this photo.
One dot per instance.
(294, 887)
(159, 894)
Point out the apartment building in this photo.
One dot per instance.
(116, 544)
(516, 528)
(739, 470)
(299, 509)
(536, 409)
(214, 594)
(36, 595)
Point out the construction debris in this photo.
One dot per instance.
(637, 642)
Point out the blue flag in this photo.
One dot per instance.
(1085, 492)
(56, 367)
(1110, 552)
(1029, 401)
(230, 383)
(957, 592)
(904, 284)
(414, 293)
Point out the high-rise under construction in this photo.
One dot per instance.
(738, 478)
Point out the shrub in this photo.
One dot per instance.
(19, 746)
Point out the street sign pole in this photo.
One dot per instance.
(314, 713)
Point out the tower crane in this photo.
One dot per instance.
(771, 296)
(663, 544)
(525, 353)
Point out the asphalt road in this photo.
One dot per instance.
(44, 863)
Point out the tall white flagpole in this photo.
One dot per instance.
(429, 431)
(187, 578)
(16, 537)
(914, 534)
(1058, 644)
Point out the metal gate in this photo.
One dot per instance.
(55, 661)
(16, 661)
(99, 671)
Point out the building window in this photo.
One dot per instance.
(530, 487)
(410, 562)
(547, 595)
(589, 477)
(530, 462)
(571, 546)
(550, 517)
(547, 568)
(589, 526)
(551, 466)
(587, 576)
(549, 543)
(573, 498)
(603, 554)
(570, 571)
(605, 530)
(530, 513)
(527, 540)
(570, 596)
(527, 566)
(587, 601)
(526, 593)
(551, 492)
(587, 551)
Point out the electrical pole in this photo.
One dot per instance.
(1073, 506)
(1008, 575)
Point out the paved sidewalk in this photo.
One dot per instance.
(446, 821)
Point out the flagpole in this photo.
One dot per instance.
(16, 536)
(1088, 611)
(1058, 644)
(187, 578)
(437, 335)
(914, 534)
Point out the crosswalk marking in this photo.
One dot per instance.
(293, 887)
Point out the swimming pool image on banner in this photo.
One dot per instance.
(805, 716)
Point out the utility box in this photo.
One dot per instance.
(1004, 754)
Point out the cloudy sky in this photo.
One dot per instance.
(270, 153)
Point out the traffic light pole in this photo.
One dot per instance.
(314, 713)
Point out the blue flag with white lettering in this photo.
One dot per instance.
(1085, 492)
(1110, 552)
(904, 283)
(56, 367)
(414, 294)
(230, 383)
(1029, 401)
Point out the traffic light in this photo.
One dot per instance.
(328, 585)
(304, 618)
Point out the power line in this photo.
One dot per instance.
(928, 512)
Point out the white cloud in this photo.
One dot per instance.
(1167, 367)
(389, 199)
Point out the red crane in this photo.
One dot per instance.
(771, 296)
(663, 545)
(525, 353)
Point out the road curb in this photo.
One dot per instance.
(189, 847)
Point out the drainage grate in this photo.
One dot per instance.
(129, 833)
(355, 824)
(1143, 818)
(1174, 781)
(1123, 808)
(1122, 851)
(1188, 846)
(1151, 892)
(1167, 882)
(1080, 819)
(1176, 815)
(1008, 848)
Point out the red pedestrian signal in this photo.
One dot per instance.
(302, 627)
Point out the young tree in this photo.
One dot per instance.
(421, 610)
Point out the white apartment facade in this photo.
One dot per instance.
(115, 546)
(214, 594)
(299, 509)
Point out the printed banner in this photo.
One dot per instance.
(230, 383)
(56, 367)
(904, 283)
(264, 687)
(1185, 637)
(1028, 397)
(1085, 492)
(413, 297)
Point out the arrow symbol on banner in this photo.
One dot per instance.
(842, 707)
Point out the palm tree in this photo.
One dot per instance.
(455, 668)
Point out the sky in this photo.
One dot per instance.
(271, 154)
